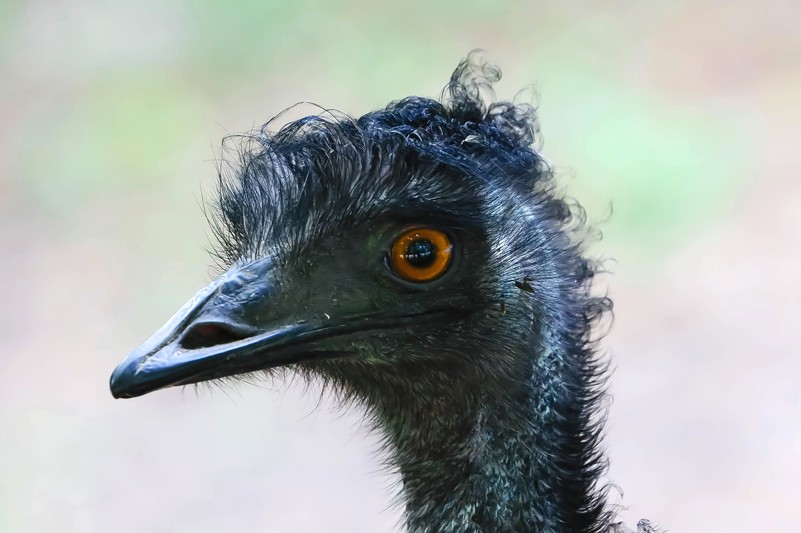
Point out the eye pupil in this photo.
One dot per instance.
(421, 253)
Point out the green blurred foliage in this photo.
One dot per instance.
(121, 133)
(664, 162)
(664, 166)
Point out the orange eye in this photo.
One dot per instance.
(421, 254)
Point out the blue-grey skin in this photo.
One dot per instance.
(483, 382)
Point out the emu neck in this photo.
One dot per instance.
(486, 466)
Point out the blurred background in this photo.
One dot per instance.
(674, 123)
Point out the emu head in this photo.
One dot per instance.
(418, 254)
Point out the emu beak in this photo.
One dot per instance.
(215, 335)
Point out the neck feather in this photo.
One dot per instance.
(522, 461)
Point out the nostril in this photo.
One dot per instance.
(205, 335)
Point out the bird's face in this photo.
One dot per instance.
(368, 277)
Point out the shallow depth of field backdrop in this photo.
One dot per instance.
(675, 123)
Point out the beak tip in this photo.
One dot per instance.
(123, 381)
(116, 385)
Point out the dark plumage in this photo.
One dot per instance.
(484, 381)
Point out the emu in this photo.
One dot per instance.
(420, 261)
